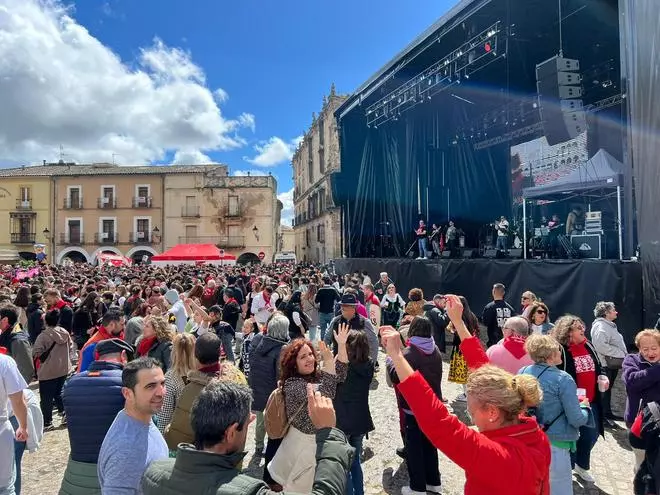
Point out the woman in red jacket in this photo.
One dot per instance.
(509, 454)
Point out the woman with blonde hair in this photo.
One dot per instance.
(561, 412)
(183, 362)
(508, 453)
(156, 341)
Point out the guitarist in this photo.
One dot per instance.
(502, 228)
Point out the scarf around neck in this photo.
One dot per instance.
(515, 344)
(145, 345)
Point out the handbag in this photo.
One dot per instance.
(613, 363)
(275, 419)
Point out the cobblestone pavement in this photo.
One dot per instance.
(384, 472)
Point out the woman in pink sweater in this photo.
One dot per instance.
(509, 354)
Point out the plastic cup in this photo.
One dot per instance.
(581, 394)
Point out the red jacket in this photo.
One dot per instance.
(514, 460)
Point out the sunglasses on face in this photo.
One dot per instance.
(540, 312)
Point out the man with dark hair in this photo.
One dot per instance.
(325, 299)
(220, 419)
(207, 353)
(16, 341)
(223, 330)
(54, 300)
(437, 315)
(496, 313)
(92, 400)
(236, 292)
(133, 441)
(232, 307)
(112, 326)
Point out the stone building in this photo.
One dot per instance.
(316, 219)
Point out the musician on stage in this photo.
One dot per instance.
(435, 239)
(502, 234)
(452, 238)
(575, 221)
(422, 241)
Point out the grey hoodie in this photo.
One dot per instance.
(59, 361)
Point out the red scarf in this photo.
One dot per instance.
(515, 344)
(145, 345)
(211, 368)
(208, 292)
(231, 300)
(58, 305)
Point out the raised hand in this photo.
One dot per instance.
(391, 340)
(320, 409)
(454, 308)
(326, 352)
(342, 336)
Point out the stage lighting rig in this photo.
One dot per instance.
(465, 60)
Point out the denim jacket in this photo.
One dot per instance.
(559, 401)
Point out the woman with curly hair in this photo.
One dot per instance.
(156, 341)
(295, 461)
(580, 360)
(415, 305)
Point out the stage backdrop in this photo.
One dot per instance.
(565, 286)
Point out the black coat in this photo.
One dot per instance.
(35, 321)
(92, 399)
(568, 365)
(82, 321)
(352, 400)
(66, 318)
(264, 368)
(440, 321)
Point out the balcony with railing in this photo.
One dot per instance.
(73, 203)
(142, 202)
(72, 239)
(106, 203)
(141, 238)
(106, 238)
(224, 242)
(22, 238)
(23, 205)
(233, 211)
(190, 211)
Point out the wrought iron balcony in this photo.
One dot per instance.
(190, 211)
(141, 238)
(21, 238)
(106, 238)
(142, 202)
(233, 211)
(72, 239)
(73, 203)
(23, 204)
(106, 203)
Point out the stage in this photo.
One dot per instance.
(566, 286)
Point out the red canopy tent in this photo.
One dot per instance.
(187, 254)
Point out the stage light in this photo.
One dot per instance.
(488, 47)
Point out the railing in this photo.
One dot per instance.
(140, 238)
(72, 240)
(23, 204)
(220, 241)
(73, 204)
(106, 238)
(233, 211)
(142, 202)
(190, 211)
(23, 238)
(106, 203)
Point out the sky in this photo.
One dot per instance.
(164, 82)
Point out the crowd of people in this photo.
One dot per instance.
(158, 372)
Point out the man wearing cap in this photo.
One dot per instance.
(92, 399)
(349, 315)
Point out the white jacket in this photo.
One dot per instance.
(35, 420)
(607, 340)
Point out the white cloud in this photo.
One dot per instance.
(287, 212)
(191, 157)
(274, 152)
(220, 95)
(61, 86)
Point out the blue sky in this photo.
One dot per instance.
(267, 65)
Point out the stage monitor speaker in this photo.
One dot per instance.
(490, 253)
(515, 253)
(559, 90)
(446, 253)
(469, 253)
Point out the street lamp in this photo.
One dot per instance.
(51, 238)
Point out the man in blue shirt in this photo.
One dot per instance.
(133, 441)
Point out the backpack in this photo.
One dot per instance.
(179, 430)
(275, 419)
